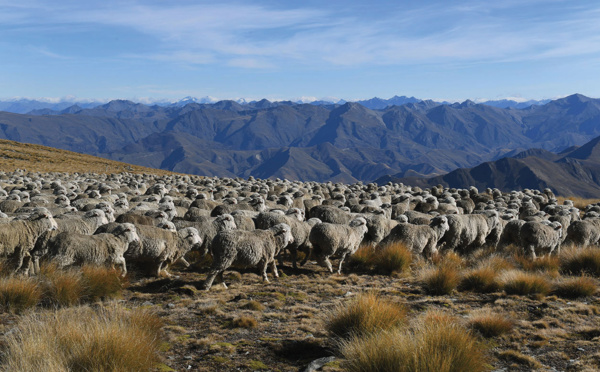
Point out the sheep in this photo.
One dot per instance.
(378, 227)
(469, 231)
(420, 239)
(208, 229)
(541, 236)
(161, 247)
(330, 214)
(106, 248)
(511, 234)
(329, 239)
(584, 232)
(247, 248)
(17, 238)
(300, 231)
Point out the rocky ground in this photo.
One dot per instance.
(280, 326)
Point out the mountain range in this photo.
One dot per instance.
(45, 107)
(339, 142)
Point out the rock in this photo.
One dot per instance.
(318, 363)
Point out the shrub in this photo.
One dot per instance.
(434, 343)
(100, 282)
(522, 283)
(490, 324)
(440, 280)
(577, 261)
(393, 258)
(81, 339)
(17, 295)
(575, 287)
(366, 313)
(481, 280)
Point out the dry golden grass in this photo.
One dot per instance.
(18, 294)
(244, 321)
(37, 158)
(523, 283)
(364, 258)
(481, 280)
(520, 358)
(577, 261)
(365, 314)
(575, 287)
(101, 282)
(434, 343)
(490, 324)
(393, 258)
(440, 280)
(61, 287)
(81, 339)
(578, 202)
(547, 264)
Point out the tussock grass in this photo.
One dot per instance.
(481, 280)
(101, 282)
(548, 264)
(440, 280)
(490, 324)
(81, 339)
(577, 261)
(254, 305)
(393, 258)
(365, 314)
(19, 294)
(581, 286)
(244, 322)
(434, 343)
(388, 259)
(515, 356)
(61, 288)
(524, 283)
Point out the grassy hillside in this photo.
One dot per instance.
(37, 158)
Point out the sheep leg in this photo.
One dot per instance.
(212, 274)
(340, 265)
(294, 254)
(532, 251)
(262, 268)
(324, 261)
(307, 255)
(120, 261)
(222, 280)
(158, 269)
(36, 265)
(184, 262)
(274, 269)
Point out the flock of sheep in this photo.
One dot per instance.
(154, 221)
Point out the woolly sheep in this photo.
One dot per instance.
(541, 237)
(468, 231)
(106, 248)
(420, 239)
(329, 239)
(249, 249)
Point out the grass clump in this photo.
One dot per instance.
(244, 322)
(481, 280)
(581, 286)
(61, 288)
(365, 314)
(514, 356)
(523, 283)
(548, 264)
(254, 305)
(18, 294)
(433, 343)
(393, 258)
(490, 324)
(101, 282)
(440, 280)
(81, 339)
(364, 258)
(577, 261)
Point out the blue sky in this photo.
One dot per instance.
(450, 50)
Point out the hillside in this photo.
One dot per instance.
(37, 158)
(572, 172)
(346, 143)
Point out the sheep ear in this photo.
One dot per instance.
(558, 227)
